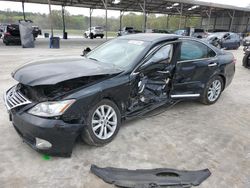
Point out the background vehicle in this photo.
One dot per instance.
(246, 58)
(1, 32)
(2, 28)
(12, 35)
(246, 41)
(94, 32)
(157, 31)
(127, 31)
(193, 32)
(226, 40)
(36, 31)
(123, 78)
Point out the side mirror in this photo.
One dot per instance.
(86, 51)
(145, 65)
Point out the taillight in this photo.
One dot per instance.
(7, 34)
(234, 60)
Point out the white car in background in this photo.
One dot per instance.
(94, 32)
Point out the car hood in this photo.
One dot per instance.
(53, 71)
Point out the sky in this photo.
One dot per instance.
(30, 7)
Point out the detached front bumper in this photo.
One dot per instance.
(59, 134)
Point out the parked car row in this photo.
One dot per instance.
(10, 34)
(227, 40)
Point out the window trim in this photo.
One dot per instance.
(206, 58)
(151, 52)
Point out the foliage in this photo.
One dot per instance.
(80, 22)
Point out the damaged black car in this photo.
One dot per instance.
(57, 100)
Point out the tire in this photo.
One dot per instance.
(246, 60)
(85, 35)
(237, 47)
(94, 131)
(91, 36)
(212, 91)
(101, 36)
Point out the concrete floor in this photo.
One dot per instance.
(189, 136)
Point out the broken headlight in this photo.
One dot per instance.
(51, 109)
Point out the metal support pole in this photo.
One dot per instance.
(106, 19)
(248, 20)
(144, 15)
(121, 14)
(24, 17)
(180, 12)
(185, 25)
(209, 17)
(215, 20)
(50, 17)
(201, 24)
(90, 21)
(168, 21)
(63, 19)
(105, 4)
(232, 19)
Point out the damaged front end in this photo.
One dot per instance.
(37, 113)
(150, 178)
(40, 93)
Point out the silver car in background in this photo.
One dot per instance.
(93, 32)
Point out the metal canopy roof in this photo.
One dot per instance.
(152, 6)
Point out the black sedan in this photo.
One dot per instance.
(57, 100)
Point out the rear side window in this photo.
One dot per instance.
(13, 30)
(191, 50)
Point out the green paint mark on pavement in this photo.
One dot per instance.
(46, 157)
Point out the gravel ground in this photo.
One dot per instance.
(188, 136)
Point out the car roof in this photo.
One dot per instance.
(150, 37)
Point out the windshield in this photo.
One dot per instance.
(118, 52)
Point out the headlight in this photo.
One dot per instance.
(51, 109)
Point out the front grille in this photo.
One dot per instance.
(14, 98)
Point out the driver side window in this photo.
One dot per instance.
(163, 55)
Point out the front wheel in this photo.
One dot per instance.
(212, 90)
(103, 123)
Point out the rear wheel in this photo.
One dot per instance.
(101, 36)
(103, 123)
(85, 35)
(213, 90)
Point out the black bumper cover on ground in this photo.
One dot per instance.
(150, 178)
(61, 135)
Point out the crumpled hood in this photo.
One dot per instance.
(53, 71)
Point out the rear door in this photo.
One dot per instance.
(195, 66)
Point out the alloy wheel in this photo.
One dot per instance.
(104, 122)
(214, 91)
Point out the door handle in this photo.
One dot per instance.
(212, 64)
(163, 72)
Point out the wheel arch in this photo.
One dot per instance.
(224, 80)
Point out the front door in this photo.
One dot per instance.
(150, 81)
